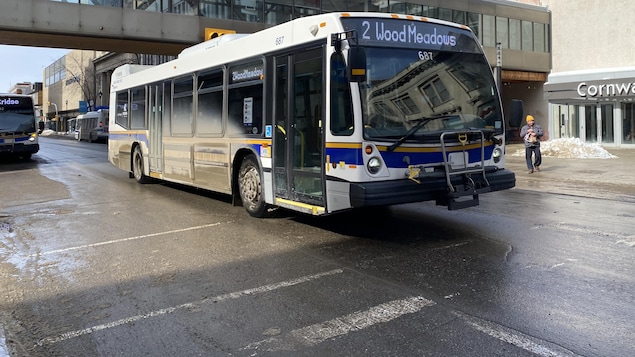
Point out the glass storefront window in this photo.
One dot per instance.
(365, 5)
(539, 37)
(489, 31)
(566, 119)
(458, 17)
(332, 6)
(445, 14)
(148, 5)
(608, 130)
(628, 123)
(218, 9)
(590, 124)
(277, 14)
(527, 35)
(184, 7)
(514, 34)
(399, 8)
(315, 4)
(113, 3)
(430, 11)
(474, 22)
(304, 11)
(414, 9)
(502, 31)
(249, 10)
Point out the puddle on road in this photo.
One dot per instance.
(4, 352)
(23, 262)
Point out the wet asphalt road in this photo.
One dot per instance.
(93, 264)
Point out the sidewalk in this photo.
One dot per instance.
(600, 178)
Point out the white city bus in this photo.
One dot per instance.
(18, 126)
(319, 115)
(92, 126)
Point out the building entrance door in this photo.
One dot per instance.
(628, 123)
(567, 117)
(599, 125)
(606, 124)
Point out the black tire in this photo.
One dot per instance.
(250, 187)
(137, 166)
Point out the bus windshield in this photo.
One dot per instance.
(430, 90)
(17, 117)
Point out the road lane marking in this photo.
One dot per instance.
(516, 338)
(229, 296)
(315, 334)
(123, 240)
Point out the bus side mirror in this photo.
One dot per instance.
(356, 64)
(516, 113)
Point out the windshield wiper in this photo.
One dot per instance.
(414, 129)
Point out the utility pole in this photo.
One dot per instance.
(57, 116)
(499, 66)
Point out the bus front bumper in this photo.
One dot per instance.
(429, 189)
(19, 149)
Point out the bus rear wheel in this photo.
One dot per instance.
(137, 166)
(250, 187)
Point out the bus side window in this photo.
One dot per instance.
(138, 108)
(209, 119)
(245, 110)
(182, 107)
(121, 114)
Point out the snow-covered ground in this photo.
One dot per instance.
(571, 148)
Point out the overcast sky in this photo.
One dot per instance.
(25, 64)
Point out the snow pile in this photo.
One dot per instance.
(570, 148)
(48, 132)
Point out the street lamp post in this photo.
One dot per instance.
(56, 115)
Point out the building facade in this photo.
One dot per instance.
(591, 90)
(69, 88)
(516, 36)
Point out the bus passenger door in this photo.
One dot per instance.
(298, 138)
(155, 117)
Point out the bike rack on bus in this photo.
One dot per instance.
(468, 187)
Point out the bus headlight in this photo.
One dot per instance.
(497, 154)
(373, 165)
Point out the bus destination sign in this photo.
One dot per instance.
(412, 34)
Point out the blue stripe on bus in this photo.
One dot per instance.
(397, 159)
(129, 136)
(347, 155)
(15, 140)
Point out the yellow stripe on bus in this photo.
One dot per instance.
(315, 210)
(344, 145)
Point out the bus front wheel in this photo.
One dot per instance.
(250, 187)
(137, 166)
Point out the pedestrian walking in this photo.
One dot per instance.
(531, 134)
